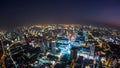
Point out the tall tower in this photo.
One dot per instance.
(26, 40)
(73, 53)
(53, 46)
(73, 57)
(92, 49)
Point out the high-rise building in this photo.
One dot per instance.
(73, 53)
(53, 46)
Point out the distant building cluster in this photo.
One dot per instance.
(60, 46)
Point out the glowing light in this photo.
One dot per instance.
(53, 62)
(67, 49)
(53, 41)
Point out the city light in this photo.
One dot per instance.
(55, 46)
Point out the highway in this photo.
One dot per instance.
(3, 55)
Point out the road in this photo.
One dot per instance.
(3, 55)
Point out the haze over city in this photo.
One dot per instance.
(26, 12)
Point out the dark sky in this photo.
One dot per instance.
(21, 12)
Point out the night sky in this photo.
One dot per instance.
(29, 12)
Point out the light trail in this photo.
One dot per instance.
(3, 55)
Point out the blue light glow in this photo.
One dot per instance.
(67, 49)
